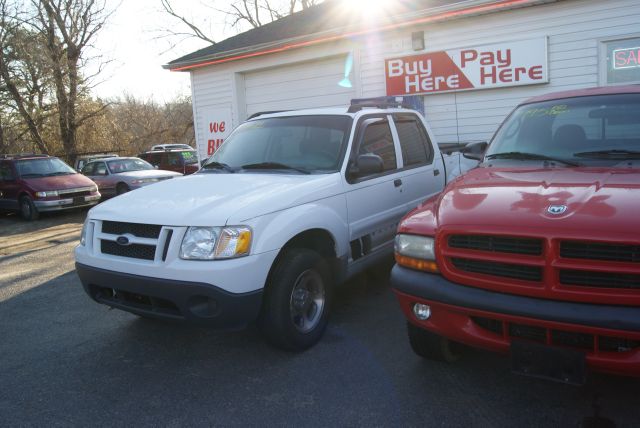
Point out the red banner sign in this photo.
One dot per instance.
(507, 64)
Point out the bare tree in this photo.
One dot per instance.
(23, 74)
(238, 14)
(69, 27)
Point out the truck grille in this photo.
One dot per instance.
(572, 339)
(505, 270)
(134, 251)
(152, 236)
(135, 229)
(543, 268)
(600, 251)
(498, 244)
(599, 279)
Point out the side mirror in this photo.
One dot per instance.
(366, 164)
(475, 150)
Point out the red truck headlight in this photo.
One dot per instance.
(416, 252)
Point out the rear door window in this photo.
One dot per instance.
(414, 140)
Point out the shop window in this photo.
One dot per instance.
(622, 61)
(378, 140)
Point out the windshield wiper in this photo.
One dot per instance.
(218, 165)
(32, 174)
(274, 165)
(610, 154)
(59, 173)
(531, 156)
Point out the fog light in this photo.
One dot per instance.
(422, 312)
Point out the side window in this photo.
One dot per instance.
(414, 141)
(174, 159)
(152, 158)
(378, 140)
(6, 173)
(100, 169)
(88, 168)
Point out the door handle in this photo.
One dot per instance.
(436, 172)
(397, 182)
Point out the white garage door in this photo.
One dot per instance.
(303, 85)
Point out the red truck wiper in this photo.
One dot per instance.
(532, 156)
(610, 154)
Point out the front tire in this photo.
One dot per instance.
(122, 188)
(297, 299)
(28, 209)
(432, 346)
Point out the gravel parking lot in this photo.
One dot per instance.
(69, 361)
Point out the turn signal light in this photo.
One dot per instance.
(419, 264)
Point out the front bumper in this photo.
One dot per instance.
(194, 302)
(66, 203)
(491, 320)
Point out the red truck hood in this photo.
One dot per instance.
(59, 182)
(519, 200)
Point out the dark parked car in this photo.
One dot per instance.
(118, 175)
(184, 161)
(32, 184)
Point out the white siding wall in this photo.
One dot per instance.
(297, 86)
(574, 29)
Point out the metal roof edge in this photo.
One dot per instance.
(437, 14)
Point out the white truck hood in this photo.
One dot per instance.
(216, 199)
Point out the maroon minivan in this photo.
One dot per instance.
(32, 184)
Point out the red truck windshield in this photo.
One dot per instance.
(590, 131)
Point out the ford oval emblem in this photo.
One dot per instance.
(122, 240)
(556, 209)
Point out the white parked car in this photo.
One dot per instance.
(290, 206)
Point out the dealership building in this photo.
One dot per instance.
(465, 64)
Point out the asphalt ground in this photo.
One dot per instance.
(67, 361)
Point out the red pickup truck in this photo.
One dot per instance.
(536, 252)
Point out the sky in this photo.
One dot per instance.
(129, 41)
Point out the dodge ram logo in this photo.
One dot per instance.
(556, 209)
(122, 240)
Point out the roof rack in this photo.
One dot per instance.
(260, 113)
(358, 104)
(23, 155)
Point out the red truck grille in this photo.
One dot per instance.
(587, 278)
(599, 251)
(498, 244)
(571, 339)
(564, 269)
(504, 270)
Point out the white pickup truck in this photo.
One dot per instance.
(292, 204)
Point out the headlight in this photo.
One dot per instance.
(209, 243)
(47, 194)
(145, 180)
(234, 242)
(416, 252)
(83, 234)
(93, 189)
(199, 242)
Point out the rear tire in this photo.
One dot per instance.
(28, 209)
(297, 300)
(122, 188)
(433, 346)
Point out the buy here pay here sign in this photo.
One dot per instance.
(497, 65)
